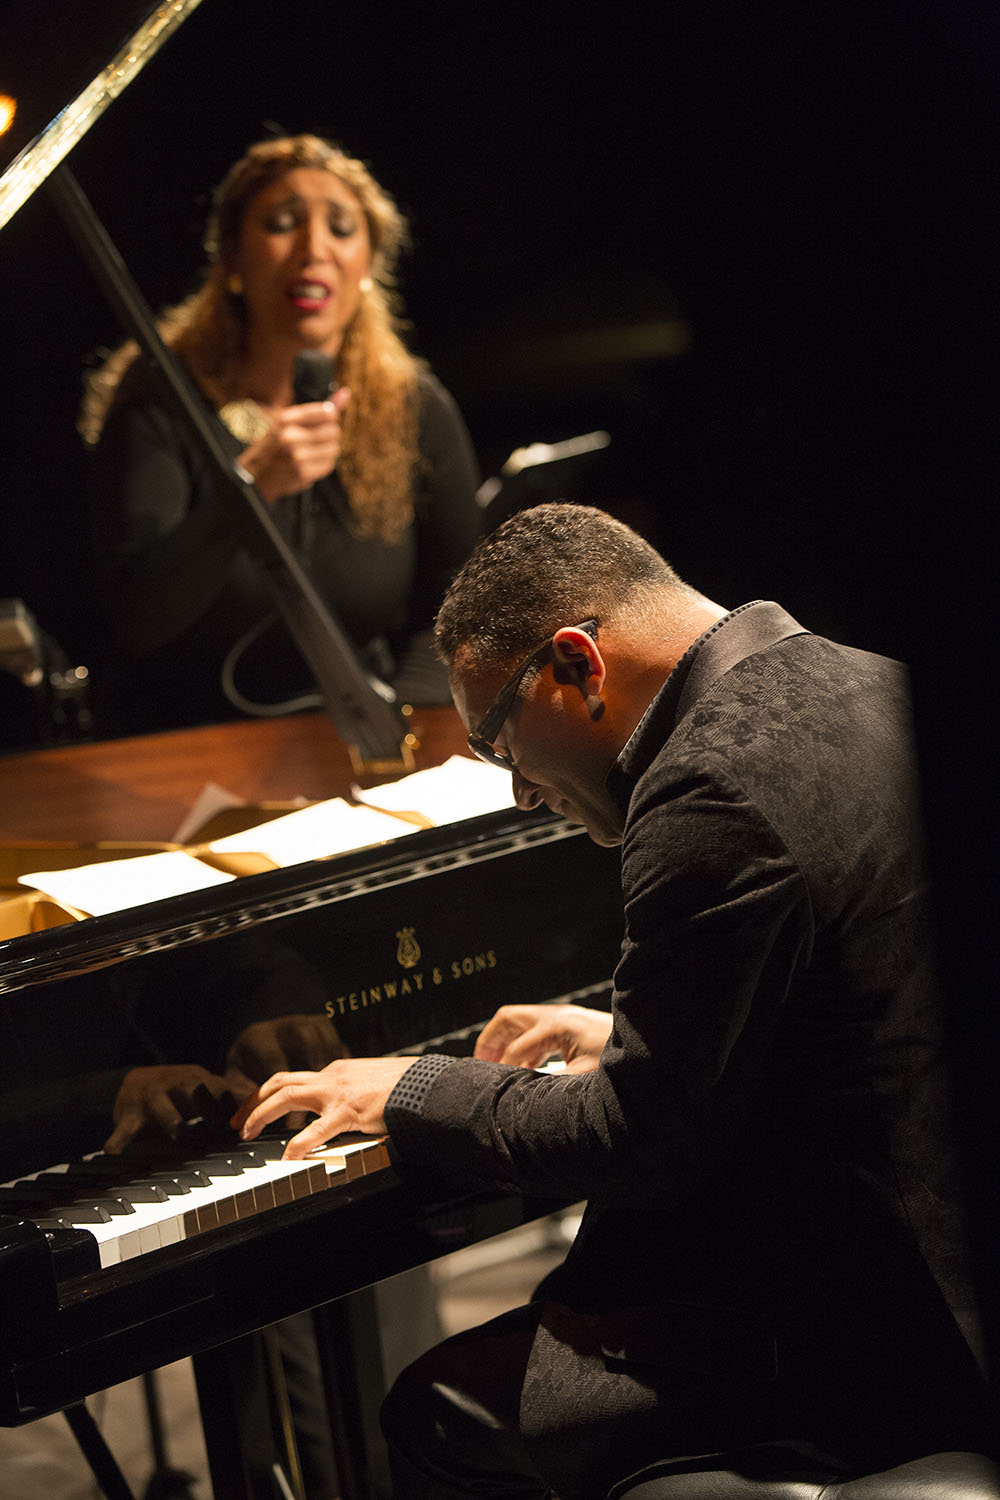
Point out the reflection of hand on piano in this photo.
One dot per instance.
(526, 1036)
(285, 1044)
(348, 1097)
(166, 1095)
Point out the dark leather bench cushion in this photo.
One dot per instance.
(782, 1474)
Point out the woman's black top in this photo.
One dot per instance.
(180, 593)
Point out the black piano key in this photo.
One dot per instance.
(179, 1178)
(98, 1169)
(75, 1213)
(191, 1177)
(52, 1187)
(253, 1154)
(115, 1204)
(169, 1182)
(269, 1148)
(60, 1182)
(135, 1192)
(26, 1192)
(219, 1166)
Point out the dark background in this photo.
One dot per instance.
(697, 227)
(753, 242)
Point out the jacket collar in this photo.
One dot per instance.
(743, 632)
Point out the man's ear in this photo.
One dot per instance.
(578, 661)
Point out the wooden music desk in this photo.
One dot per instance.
(142, 788)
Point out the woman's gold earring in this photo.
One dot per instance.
(366, 283)
(234, 285)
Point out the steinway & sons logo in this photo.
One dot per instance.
(413, 980)
(408, 952)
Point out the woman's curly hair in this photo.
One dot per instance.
(208, 333)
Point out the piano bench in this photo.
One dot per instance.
(776, 1473)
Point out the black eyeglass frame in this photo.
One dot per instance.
(481, 736)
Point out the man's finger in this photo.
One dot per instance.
(271, 1101)
(534, 1046)
(317, 1133)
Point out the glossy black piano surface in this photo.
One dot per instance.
(397, 945)
(405, 946)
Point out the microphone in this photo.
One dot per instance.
(312, 377)
(312, 380)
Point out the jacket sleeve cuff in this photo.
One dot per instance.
(404, 1106)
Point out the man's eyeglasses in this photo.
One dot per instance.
(481, 737)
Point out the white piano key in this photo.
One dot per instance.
(171, 1231)
(288, 1180)
(129, 1244)
(360, 1155)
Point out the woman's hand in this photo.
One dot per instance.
(526, 1036)
(301, 446)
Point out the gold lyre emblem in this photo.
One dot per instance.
(408, 949)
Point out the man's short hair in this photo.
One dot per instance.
(552, 565)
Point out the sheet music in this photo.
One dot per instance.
(210, 800)
(314, 832)
(115, 884)
(460, 788)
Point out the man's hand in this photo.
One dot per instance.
(526, 1036)
(301, 446)
(165, 1096)
(347, 1095)
(283, 1045)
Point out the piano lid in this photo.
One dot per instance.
(60, 68)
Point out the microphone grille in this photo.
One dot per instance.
(312, 376)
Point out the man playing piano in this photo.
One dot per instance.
(772, 1248)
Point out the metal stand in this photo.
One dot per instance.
(165, 1483)
(241, 1416)
(110, 1479)
(350, 1354)
(247, 1419)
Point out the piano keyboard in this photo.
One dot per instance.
(129, 1217)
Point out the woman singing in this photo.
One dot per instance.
(373, 487)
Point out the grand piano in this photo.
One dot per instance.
(82, 1002)
(405, 945)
